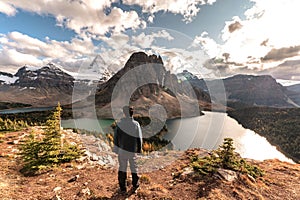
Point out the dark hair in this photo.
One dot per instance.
(128, 111)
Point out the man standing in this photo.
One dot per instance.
(127, 143)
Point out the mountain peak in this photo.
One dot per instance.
(186, 75)
(51, 65)
(140, 58)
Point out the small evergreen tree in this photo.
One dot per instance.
(227, 155)
(52, 147)
(48, 150)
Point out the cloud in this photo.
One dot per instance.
(7, 9)
(83, 16)
(11, 57)
(209, 45)
(234, 26)
(167, 43)
(51, 48)
(282, 53)
(116, 41)
(146, 40)
(19, 49)
(288, 70)
(188, 9)
(72, 55)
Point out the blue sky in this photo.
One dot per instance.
(34, 25)
(243, 36)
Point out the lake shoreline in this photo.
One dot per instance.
(43, 114)
(192, 137)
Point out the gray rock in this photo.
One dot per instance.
(85, 192)
(73, 179)
(57, 189)
(94, 157)
(56, 197)
(188, 171)
(227, 175)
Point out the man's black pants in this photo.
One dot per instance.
(124, 158)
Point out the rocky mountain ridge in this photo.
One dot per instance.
(48, 76)
(249, 90)
(257, 90)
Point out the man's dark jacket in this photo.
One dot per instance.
(128, 136)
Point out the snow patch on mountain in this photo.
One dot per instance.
(287, 82)
(8, 80)
(31, 68)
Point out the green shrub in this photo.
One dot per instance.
(47, 150)
(224, 157)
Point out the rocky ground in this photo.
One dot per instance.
(164, 175)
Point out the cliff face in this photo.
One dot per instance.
(144, 82)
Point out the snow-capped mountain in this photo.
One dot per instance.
(47, 76)
(44, 86)
(95, 70)
(7, 78)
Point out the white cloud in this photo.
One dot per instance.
(19, 49)
(209, 45)
(178, 59)
(146, 40)
(187, 8)
(7, 9)
(83, 16)
(116, 41)
(11, 57)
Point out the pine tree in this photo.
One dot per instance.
(48, 150)
(52, 139)
(227, 155)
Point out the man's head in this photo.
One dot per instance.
(128, 111)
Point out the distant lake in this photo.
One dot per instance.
(207, 131)
(99, 126)
(24, 110)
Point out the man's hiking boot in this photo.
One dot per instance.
(135, 187)
(122, 191)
